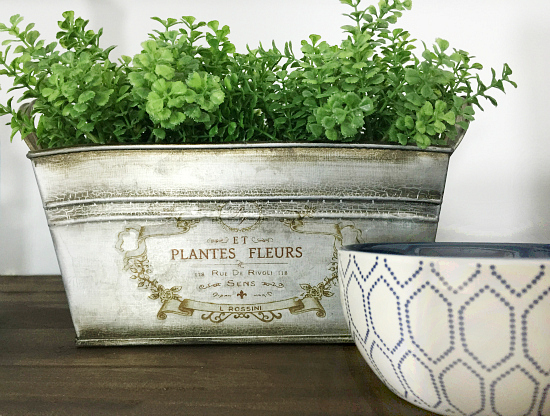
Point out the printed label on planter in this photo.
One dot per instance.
(244, 267)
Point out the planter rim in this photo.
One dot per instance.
(77, 149)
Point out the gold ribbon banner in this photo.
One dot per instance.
(218, 312)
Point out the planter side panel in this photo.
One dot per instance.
(225, 245)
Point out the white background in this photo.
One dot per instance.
(499, 180)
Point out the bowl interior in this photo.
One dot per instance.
(476, 250)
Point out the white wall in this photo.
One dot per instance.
(498, 187)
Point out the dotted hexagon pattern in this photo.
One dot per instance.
(472, 342)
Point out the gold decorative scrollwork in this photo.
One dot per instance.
(335, 230)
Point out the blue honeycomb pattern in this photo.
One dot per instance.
(454, 345)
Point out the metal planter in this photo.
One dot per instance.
(225, 243)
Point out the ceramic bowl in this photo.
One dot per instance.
(457, 329)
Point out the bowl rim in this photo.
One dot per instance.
(456, 250)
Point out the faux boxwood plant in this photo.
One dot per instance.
(190, 85)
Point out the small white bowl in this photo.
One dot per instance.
(454, 328)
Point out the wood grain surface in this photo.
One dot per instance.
(43, 373)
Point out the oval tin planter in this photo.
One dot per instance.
(225, 243)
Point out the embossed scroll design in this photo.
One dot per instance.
(240, 216)
(137, 263)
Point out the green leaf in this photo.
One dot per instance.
(351, 99)
(422, 140)
(217, 97)
(154, 103)
(345, 54)
(163, 115)
(340, 115)
(310, 102)
(86, 96)
(46, 92)
(332, 134)
(372, 72)
(165, 71)
(175, 102)
(66, 110)
(443, 44)
(378, 79)
(348, 130)
(412, 76)
(195, 81)
(429, 55)
(456, 57)
(250, 133)
(400, 123)
(328, 122)
(160, 86)
(194, 112)
(102, 97)
(315, 38)
(54, 95)
(159, 133)
(316, 129)
(420, 126)
(80, 107)
(84, 126)
(449, 118)
(178, 88)
(136, 79)
(214, 24)
(357, 121)
(16, 19)
(427, 91)
(463, 125)
(177, 118)
(492, 100)
(440, 106)
(367, 105)
(427, 109)
(351, 80)
(439, 126)
(415, 99)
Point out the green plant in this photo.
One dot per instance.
(189, 85)
(79, 95)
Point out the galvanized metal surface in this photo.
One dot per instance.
(225, 243)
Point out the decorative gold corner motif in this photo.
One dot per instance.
(335, 230)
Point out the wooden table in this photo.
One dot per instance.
(43, 373)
